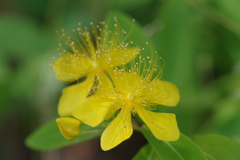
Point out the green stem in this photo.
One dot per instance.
(95, 131)
(136, 125)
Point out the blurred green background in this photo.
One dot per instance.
(198, 39)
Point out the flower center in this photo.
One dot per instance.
(95, 65)
(130, 96)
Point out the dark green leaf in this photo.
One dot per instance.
(48, 136)
(217, 147)
(146, 152)
(182, 149)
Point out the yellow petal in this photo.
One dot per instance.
(163, 92)
(118, 130)
(92, 112)
(69, 127)
(105, 87)
(74, 95)
(162, 125)
(70, 67)
(126, 82)
(111, 112)
(106, 91)
(118, 56)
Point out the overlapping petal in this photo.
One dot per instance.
(105, 86)
(69, 127)
(116, 57)
(163, 92)
(70, 67)
(162, 125)
(118, 130)
(74, 95)
(92, 112)
(111, 112)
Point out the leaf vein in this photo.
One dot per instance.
(209, 156)
(174, 150)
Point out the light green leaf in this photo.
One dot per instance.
(176, 43)
(217, 147)
(146, 153)
(48, 136)
(182, 149)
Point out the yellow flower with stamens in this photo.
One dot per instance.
(129, 92)
(89, 54)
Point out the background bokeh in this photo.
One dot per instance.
(198, 39)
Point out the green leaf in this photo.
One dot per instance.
(176, 43)
(146, 152)
(48, 136)
(182, 149)
(217, 147)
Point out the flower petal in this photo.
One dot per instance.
(69, 127)
(162, 125)
(118, 130)
(74, 95)
(70, 67)
(163, 92)
(111, 112)
(106, 91)
(105, 87)
(126, 82)
(118, 56)
(92, 112)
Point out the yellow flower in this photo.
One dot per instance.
(131, 91)
(89, 54)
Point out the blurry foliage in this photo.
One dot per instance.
(198, 39)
